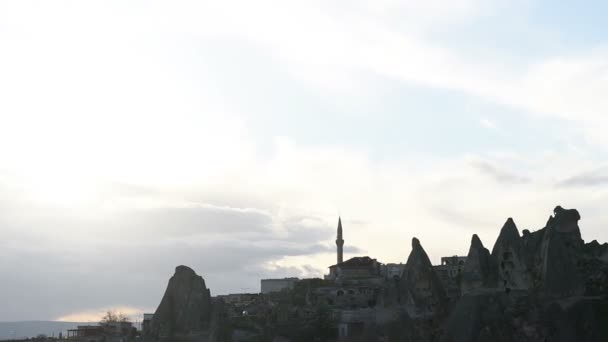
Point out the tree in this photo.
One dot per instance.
(114, 317)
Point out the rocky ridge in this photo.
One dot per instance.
(544, 285)
(551, 286)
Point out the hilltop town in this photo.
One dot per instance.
(543, 285)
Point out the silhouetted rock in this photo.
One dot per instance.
(423, 287)
(531, 242)
(552, 268)
(566, 221)
(560, 253)
(497, 316)
(187, 312)
(593, 249)
(478, 317)
(480, 270)
(576, 319)
(508, 251)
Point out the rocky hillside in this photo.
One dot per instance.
(544, 285)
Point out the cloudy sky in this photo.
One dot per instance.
(228, 136)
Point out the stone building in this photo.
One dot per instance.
(240, 305)
(145, 323)
(353, 322)
(393, 271)
(450, 273)
(86, 333)
(277, 285)
(451, 267)
(121, 331)
(353, 268)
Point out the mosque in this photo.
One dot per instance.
(365, 269)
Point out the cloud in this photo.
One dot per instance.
(594, 178)
(487, 123)
(127, 254)
(496, 173)
(459, 219)
(341, 51)
(191, 220)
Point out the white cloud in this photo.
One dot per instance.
(109, 107)
(487, 123)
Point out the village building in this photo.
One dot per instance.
(145, 323)
(354, 268)
(393, 271)
(116, 331)
(277, 285)
(86, 333)
(450, 272)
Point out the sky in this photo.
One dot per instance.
(229, 136)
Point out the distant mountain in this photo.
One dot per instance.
(24, 329)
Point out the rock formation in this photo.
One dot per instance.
(498, 316)
(531, 242)
(422, 286)
(553, 268)
(480, 269)
(560, 251)
(545, 285)
(510, 255)
(187, 310)
(595, 250)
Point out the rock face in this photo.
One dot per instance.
(532, 242)
(563, 285)
(595, 250)
(422, 286)
(187, 311)
(480, 269)
(510, 255)
(475, 315)
(498, 316)
(560, 252)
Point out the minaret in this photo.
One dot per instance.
(339, 241)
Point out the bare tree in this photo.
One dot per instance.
(114, 317)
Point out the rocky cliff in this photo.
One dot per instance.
(510, 256)
(551, 287)
(187, 311)
(480, 270)
(422, 287)
(561, 251)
